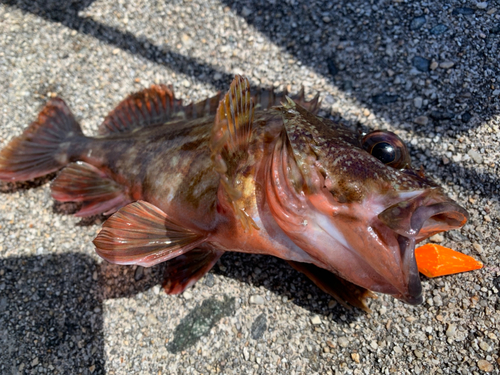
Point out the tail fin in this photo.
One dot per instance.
(42, 148)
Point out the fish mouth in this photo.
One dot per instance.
(413, 221)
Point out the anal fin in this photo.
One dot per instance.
(340, 289)
(140, 233)
(187, 269)
(82, 182)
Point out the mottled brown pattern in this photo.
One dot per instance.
(352, 172)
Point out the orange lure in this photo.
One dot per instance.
(436, 260)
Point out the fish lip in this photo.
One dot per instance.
(424, 215)
(438, 217)
(412, 294)
(414, 220)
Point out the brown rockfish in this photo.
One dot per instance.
(253, 173)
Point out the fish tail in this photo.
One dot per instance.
(43, 147)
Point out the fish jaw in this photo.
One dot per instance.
(382, 237)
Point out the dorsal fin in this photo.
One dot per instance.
(153, 106)
(233, 121)
(230, 141)
(267, 98)
(203, 108)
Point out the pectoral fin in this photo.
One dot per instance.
(187, 269)
(142, 234)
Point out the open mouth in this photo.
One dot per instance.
(415, 220)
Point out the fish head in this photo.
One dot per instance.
(354, 203)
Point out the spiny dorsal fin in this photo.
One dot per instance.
(267, 98)
(202, 108)
(153, 106)
(233, 121)
(230, 140)
(140, 233)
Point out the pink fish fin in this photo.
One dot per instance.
(267, 98)
(207, 107)
(82, 182)
(43, 146)
(342, 290)
(140, 233)
(153, 106)
(187, 269)
(230, 141)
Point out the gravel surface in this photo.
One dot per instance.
(427, 70)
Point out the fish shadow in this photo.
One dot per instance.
(7, 187)
(281, 279)
(51, 311)
(51, 306)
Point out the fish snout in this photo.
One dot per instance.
(424, 215)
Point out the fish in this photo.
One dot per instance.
(243, 171)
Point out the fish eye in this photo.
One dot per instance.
(388, 148)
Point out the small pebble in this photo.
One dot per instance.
(209, 280)
(463, 11)
(476, 156)
(437, 238)
(355, 357)
(466, 116)
(316, 320)
(384, 98)
(343, 341)
(482, 5)
(421, 120)
(417, 102)
(438, 29)
(139, 273)
(477, 247)
(422, 64)
(442, 115)
(434, 65)
(484, 365)
(256, 300)
(332, 303)
(446, 64)
(451, 330)
(485, 346)
(187, 295)
(417, 22)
